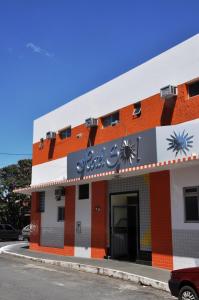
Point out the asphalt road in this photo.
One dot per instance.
(22, 280)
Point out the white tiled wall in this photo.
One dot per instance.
(83, 236)
(185, 235)
(141, 184)
(52, 231)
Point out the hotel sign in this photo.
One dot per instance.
(129, 151)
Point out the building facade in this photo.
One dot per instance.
(116, 171)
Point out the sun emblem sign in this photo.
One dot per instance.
(127, 151)
(180, 142)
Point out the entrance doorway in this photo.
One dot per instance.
(124, 226)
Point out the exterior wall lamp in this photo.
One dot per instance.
(98, 209)
(79, 135)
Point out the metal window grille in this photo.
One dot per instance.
(61, 214)
(41, 201)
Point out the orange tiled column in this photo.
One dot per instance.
(35, 221)
(161, 230)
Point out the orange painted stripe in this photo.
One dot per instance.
(51, 250)
(155, 112)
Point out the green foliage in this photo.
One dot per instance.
(13, 177)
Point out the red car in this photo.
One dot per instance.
(184, 284)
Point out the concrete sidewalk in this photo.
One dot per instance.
(137, 273)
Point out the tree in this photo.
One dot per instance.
(11, 204)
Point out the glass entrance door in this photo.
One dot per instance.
(119, 231)
(124, 226)
(132, 232)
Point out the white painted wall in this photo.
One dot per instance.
(52, 231)
(175, 66)
(52, 170)
(185, 235)
(83, 215)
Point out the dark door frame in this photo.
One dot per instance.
(138, 219)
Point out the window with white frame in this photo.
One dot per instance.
(191, 202)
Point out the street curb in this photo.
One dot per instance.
(97, 270)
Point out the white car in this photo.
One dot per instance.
(25, 233)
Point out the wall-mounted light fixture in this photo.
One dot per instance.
(98, 209)
(79, 136)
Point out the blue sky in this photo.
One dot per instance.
(52, 51)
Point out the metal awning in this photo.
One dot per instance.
(126, 172)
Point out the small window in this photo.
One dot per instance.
(193, 89)
(60, 213)
(191, 204)
(41, 201)
(1, 227)
(137, 109)
(111, 119)
(65, 133)
(83, 191)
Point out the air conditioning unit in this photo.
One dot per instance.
(50, 135)
(59, 193)
(168, 91)
(91, 122)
